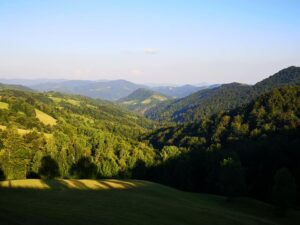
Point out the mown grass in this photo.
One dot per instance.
(116, 202)
(4, 105)
(45, 118)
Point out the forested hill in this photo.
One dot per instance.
(143, 99)
(226, 97)
(13, 87)
(67, 128)
(179, 91)
(255, 141)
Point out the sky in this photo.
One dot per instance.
(149, 41)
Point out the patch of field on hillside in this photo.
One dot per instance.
(4, 105)
(56, 99)
(125, 202)
(45, 118)
(24, 131)
(147, 101)
(20, 131)
(160, 98)
(73, 102)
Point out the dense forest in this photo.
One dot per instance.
(254, 141)
(67, 129)
(207, 102)
(241, 151)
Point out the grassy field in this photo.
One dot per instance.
(71, 101)
(4, 105)
(45, 118)
(23, 132)
(118, 202)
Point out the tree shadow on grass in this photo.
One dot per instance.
(55, 184)
(116, 184)
(79, 185)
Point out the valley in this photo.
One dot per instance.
(52, 142)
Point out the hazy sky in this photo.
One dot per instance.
(157, 41)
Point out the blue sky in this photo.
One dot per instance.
(153, 41)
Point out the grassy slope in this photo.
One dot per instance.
(3, 105)
(125, 202)
(45, 118)
(23, 131)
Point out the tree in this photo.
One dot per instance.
(49, 168)
(231, 178)
(140, 170)
(84, 168)
(169, 152)
(2, 175)
(284, 190)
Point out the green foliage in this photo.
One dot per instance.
(284, 190)
(169, 152)
(263, 136)
(84, 128)
(142, 100)
(84, 168)
(49, 168)
(232, 178)
(205, 103)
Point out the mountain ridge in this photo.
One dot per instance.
(225, 97)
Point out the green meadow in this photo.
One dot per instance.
(118, 202)
(3, 105)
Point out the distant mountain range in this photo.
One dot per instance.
(222, 98)
(102, 89)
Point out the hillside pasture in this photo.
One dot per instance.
(125, 202)
(45, 118)
(4, 105)
(24, 131)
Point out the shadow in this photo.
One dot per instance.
(79, 184)
(199, 169)
(55, 184)
(83, 168)
(105, 184)
(124, 183)
(49, 168)
(2, 175)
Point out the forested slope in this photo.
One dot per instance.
(257, 140)
(142, 100)
(223, 98)
(67, 129)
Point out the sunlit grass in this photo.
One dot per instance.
(85, 184)
(56, 99)
(24, 131)
(4, 105)
(73, 102)
(45, 118)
